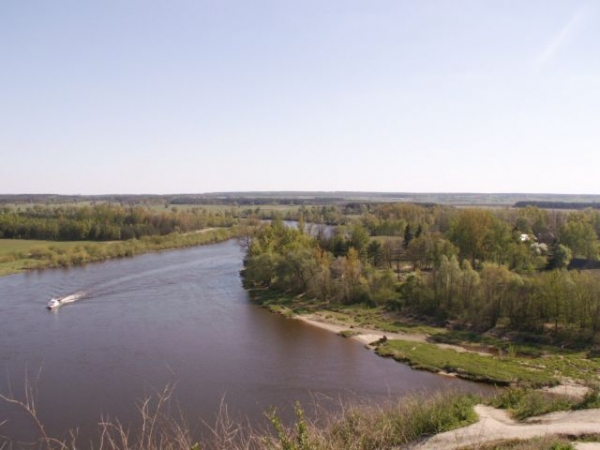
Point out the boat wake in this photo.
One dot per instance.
(72, 298)
(55, 302)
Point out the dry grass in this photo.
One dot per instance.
(160, 426)
(397, 425)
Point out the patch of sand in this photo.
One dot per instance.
(587, 445)
(369, 336)
(568, 388)
(363, 335)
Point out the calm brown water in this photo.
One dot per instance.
(174, 317)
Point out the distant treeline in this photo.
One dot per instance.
(105, 222)
(53, 199)
(232, 199)
(253, 201)
(558, 205)
(303, 198)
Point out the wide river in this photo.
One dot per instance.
(177, 317)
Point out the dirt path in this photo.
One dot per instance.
(495, 425)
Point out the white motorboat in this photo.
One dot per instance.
(53, 303)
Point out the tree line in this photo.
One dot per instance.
(558, 204)
(105, 222)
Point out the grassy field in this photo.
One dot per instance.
(16, 255)
(471, 366)
(25, 246)
(19, 255)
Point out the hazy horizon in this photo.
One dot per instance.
(316, 193)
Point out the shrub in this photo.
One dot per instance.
(523, 403)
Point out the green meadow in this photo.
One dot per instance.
(17, 255)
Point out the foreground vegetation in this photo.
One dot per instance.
(360, 427)
(395, 424)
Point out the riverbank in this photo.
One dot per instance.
(481, 358)
(19, 255)
(372, 339)
(415, 350)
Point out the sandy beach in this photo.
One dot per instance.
(369, 336)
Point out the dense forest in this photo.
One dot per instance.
(467, 267)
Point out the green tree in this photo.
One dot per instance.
(469, 282)
(374, 252)
(320, 284)
(408, 235)
(561, 257)
(417, 295)
(382, 287)
(479, 235)
(497, 284)
(580, 237)
(446, 282)
(347, 277)
(295, 269)
(359, 239)
(557, 291)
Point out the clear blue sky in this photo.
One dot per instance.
(190, 96)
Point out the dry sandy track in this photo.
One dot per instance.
(495, 425)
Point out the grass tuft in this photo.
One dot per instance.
(348, 333)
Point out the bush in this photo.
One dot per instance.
(523, 403)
